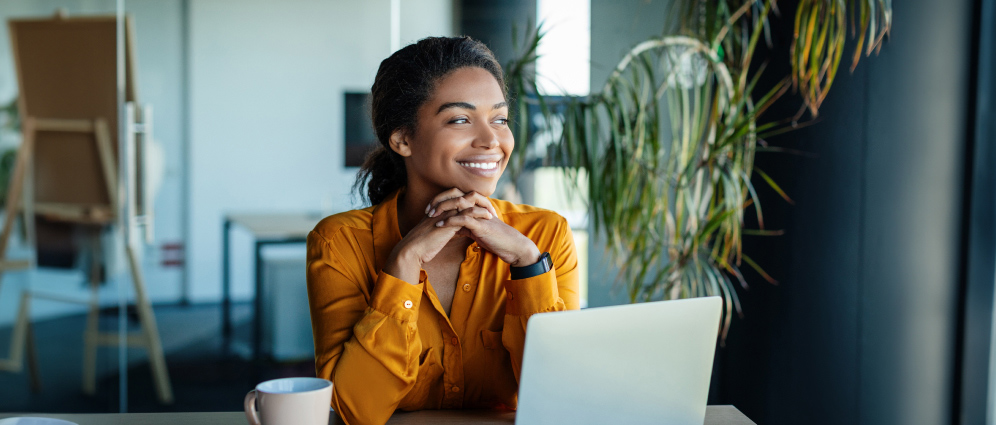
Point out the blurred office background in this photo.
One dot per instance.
(884, 309)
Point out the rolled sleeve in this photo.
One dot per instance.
(532, 295)
(396, 298)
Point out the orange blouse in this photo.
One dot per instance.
(386, 344)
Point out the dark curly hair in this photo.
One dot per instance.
(404, 82)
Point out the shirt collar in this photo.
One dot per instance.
(385, 229)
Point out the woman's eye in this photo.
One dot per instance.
(459, 121)
(501, 121)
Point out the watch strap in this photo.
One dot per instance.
(544, 265)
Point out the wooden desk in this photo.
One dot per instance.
(715, 415)
(266, 229)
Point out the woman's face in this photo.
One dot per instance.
(462, 139)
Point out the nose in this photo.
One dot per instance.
(486, 137)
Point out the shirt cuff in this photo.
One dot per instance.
(531, 295)
(397, 298)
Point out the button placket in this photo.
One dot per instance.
(452, 376)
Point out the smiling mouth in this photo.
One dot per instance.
(480, 165)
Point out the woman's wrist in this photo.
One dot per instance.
(531, 256)
(404, 265)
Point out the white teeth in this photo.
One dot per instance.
(481, 165)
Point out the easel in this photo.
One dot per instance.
(102, 208)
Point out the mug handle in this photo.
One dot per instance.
(250, 407)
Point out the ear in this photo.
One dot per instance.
(399, 143)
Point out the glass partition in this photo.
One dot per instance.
(65, 283)
(251, 105)
(234, 127)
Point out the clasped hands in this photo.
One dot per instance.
(452, 214)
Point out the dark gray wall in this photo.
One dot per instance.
(918, 109)
(862, 327)
(981, 232)
(864, 324)
(492, 22)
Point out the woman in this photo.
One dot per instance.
(421, 301)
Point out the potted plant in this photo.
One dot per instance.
(667, 145)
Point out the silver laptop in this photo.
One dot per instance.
(644, 363)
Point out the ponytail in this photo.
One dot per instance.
(383, 173)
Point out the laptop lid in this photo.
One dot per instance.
(635, 364)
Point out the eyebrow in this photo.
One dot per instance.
(466, 105)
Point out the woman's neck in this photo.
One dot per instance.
(411, 209)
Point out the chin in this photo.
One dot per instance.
(486, 189)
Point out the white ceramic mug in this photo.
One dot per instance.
(290, 401)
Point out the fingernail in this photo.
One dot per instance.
(439, 223)
(489, 215)
(427, 208)
(432, 213)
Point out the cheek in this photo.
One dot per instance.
(434, 152)
(506, 142)
(507, 145)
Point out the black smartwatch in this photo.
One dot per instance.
(544, 265)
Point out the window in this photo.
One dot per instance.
(565, 52)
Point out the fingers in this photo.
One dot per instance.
(463, 202)
(469, 218)
(460, 221)
(429, 221)
(477, 212)
(455, 204)
(449, 194)
(430, 238)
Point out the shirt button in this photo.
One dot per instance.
(510, 295)
(454, 341)
(477, 248)
(466, 287)
(408, 304)
(455, 389)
